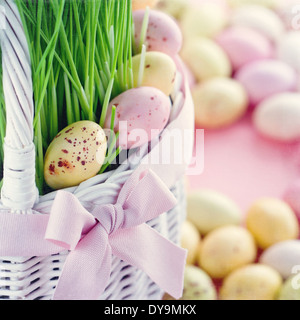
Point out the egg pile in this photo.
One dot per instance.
(243, 60)
(78, 152)
(235, 255)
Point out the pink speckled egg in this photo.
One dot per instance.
(262, 79)
(291, 196)
(141, 114)
(244, 45)
(163, 34)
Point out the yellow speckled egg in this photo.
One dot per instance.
(174, 8)
(205, 20)
(205, 58)
(197, 285)
(190, 240)
(159, 71)
(251, 282)
(208, 209)
(226, 249)
(219, 102)
(75, 155)
(271, 220)
(142, 4)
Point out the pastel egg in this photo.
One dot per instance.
(278, 117)
(190, 239)
(262, 79)
(290, 289)
(205, 20)
(219, 102)
(251, 282)
(209, 209)
(163, 33)
(271, 220)
(283, 256)
(291, 197)
(75, 155)
(244, 45)
(174, 8)
(206, 59)
(158, 71)
(261, 19)
(288, 49)
(141, 114)
(142, 4)
(226, 249)
(197, 285)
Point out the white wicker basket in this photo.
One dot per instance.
(36, 277)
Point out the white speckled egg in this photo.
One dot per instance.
(141, 114)
(159, 71)
(75, 155)
(278, 117)
(282, 256)
(260, 18)
(163, 33)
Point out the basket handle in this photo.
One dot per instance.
(19, 191)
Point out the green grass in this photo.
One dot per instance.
(81, 55)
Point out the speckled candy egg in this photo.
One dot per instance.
(271, 220)
(206, 19)
(251, 282)
(244, 45)
(219, 102)
(262, 19)
(142, 4)
(206, 59)
(75, 155)
(197, 285)
(262, 79)
(141, 114)
(225, 249)
(163, 33)
(209, 209)
(174, 8)
(278, 117)
(190, 239)
(283, 256)
(159, 71)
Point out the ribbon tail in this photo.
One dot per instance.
(86, 271)
(139, 247)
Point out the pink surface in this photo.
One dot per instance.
(245, 166)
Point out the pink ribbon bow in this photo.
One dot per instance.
(118, 229)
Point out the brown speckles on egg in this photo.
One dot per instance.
(52, 169)
(68, 140)
(83, 163)
(65, 151)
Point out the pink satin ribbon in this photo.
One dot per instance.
(92, 238)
